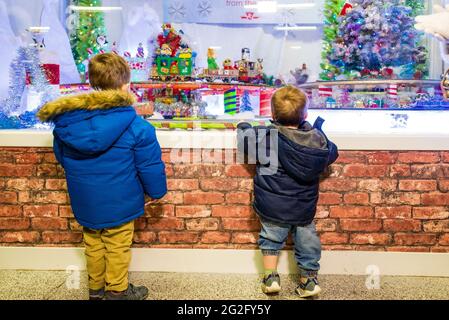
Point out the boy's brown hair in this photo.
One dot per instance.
(108, 71)
(289, 106)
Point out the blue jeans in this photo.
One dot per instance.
(273, 236)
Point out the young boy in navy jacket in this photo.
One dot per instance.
(291, 155)
(111, 159)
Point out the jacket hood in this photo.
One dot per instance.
(303, 152)
(90, 123)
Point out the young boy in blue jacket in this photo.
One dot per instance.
(291, 155)
(111, 159)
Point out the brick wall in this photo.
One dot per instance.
(387, 201)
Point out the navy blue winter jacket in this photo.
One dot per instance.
(110, 155)
(289, 194)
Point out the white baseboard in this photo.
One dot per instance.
(233, 261)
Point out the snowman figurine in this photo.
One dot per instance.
(102, 43)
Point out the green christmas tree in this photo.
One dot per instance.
(332, 9)
(88, 37)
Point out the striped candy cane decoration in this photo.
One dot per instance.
(392, 92)
(325, 91)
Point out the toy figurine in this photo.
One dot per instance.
(259, 66)
(166, 50)
(227, 64)
(246, 54)
(211, 60)
(140, 51)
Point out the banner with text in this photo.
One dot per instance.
(238, 12)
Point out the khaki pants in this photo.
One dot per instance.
(108, 255)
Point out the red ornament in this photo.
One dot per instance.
(347, 7)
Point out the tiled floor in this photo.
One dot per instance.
(52, 285)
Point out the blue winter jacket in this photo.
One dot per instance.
(289, 194)
(111, 156)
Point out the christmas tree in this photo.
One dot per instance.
(374, 36)
(332, 10)
(245, 104)
(88, 37)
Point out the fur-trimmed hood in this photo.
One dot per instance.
(97, 100)
(90, 124)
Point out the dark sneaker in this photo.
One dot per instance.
(133, 293)
(271, 283)
(96, 294)
(308, 289)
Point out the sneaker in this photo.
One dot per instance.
(96, 294)
(132, 293)
(308, 289)
(271, 283)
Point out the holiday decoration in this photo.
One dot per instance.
(212, 60)
(301, 75)
(347, 7)
(231, 101)
(245, 104)
(89, 32)
(371, 36)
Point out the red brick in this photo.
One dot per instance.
(430, 171)
(65, 212)
(407, 249)
(356, 198)
(335, 171)
(49, 223)
(215, 237)
(357, 170)
(178, 237)
(19, 237)
(193, 211)
(60, 237)
(381, 157)
(443, 185)
(25, 184)
(352, 157)
(326, 225)
(172, 197)
(6, 158)
(245, 237)
(400, 171)
(14, 223)
(247, 185)
(182, 156)
(8, 197)
(241, 224)
(370, 238)
(13, 170)
(369, 247)
(56, 184)
(337, 184)
(238, 170)
(435, 199)
(412, 239)
(402, 198)
(439, 249)
(378, 185)
(419, 157)
(144, 237)
(169, 171)
(25, 197)
(75, 226)
(444, 240)
(50, 158)
(430, 213)
(238, 198)
(51, 197)
(396, 212)
(200, 197)
(232, 211)
(140, 223)
(360, 225)
(334, 238)
(219, 184)
(182, 184)
(322, 212)
(10, 211)
(396, 225)
(28, 158)
(417, 185)
(50, 210)
(212, 156)
(351, 212)
(211, 170)
(436, 226)
(445, 156)
(47, 170)
(328, 198)
(205, 224)
(158, 210)
(165, 224)
(338, 247)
